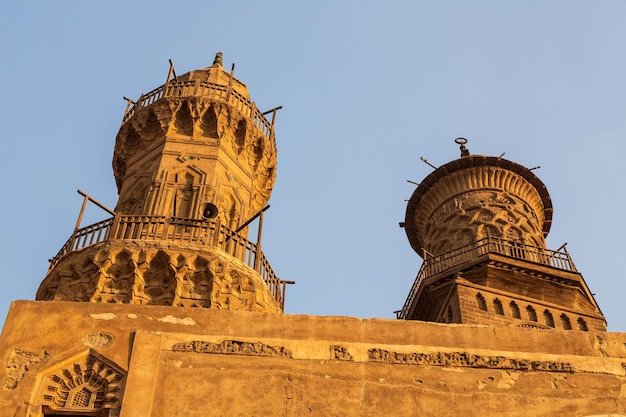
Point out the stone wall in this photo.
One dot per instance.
(171, 361)
(482, 305)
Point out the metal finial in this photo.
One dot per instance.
(462, 142)
(218, 59)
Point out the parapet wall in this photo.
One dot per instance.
(196, 362)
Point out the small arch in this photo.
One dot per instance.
(209, 124)
(497, 307)
(482, 303)
(582, 325)
(183, 121)
(532, 314)
(87, 385)
(565, 322)
(515, 310)
(548, 318)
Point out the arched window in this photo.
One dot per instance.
(532, 314)
(497, 307)
(567, 325)
(582, 325)
(482, 303)
(548, 318)
(515, 310)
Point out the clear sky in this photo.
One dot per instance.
(367, 87)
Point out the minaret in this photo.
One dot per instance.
(480, 222)
(194, 163)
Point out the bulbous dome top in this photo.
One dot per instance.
(475, 195)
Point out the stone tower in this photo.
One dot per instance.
(194, 163)
(480, 222)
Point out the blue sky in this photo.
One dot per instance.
(366, 88)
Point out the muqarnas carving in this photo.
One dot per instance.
(86, 383)
(153, 276)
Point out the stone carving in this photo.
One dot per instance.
(198, 119)
(157, 276)
(196, 282)
(340, 353)
(183, 122)
(463, 359)
(475, 197)
(232, 347)
(19, 364)
(116, 278)
(475, 215)
(98, 340)
(156, 279)
(86, 383)
(209, 123)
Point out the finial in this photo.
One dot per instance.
(462, 142)
(218, 59)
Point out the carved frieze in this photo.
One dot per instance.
(464, 359)
(340, 353)
(19, 363)
(232, 347)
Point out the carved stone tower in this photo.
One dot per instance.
(194, 163)
(480, 222)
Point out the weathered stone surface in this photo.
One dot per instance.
(146, 272)
(202, 362)
(192, 147)
(476, 196)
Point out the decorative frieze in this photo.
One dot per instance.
(464, 359)
(232, 347)
(19, 363)
(340, 353)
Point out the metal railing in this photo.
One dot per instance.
(212, 91)
(434, 265)
(175, 230)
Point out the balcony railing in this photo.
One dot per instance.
(176, 230)
(212, 91)
(434, 265)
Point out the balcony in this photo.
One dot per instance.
(433, 265)
(208, 233)
(210, 91)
